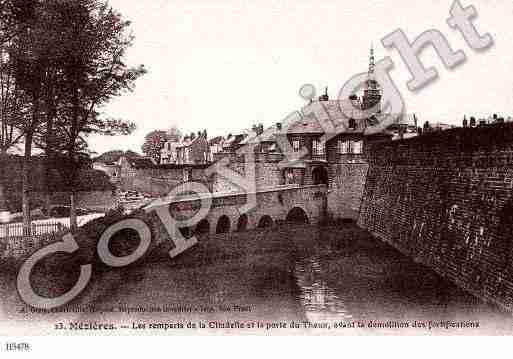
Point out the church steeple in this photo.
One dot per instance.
(372, 65)
(372, 92)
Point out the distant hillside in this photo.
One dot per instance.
(114, 156)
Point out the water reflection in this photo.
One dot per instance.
(351, 276)
(320, 302)
(323, 275)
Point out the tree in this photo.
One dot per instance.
(27, 46)
(94, 73)
(114, 156)
(10, 105)
(11, 100)
(68, 60)
(154, 143)
(174, 134)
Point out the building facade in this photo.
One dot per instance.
(192, 150)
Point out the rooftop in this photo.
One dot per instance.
(216, 140)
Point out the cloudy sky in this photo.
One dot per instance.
(223, 65)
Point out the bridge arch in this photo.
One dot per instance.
(297, 215)
(242, 223)
(223, 224)
(320, 175)
(265, 222)
(203, 227)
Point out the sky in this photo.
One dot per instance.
(223, 65)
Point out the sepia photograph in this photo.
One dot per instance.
(243, 168)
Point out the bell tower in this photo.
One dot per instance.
(372, 92)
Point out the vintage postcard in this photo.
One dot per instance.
(223, 167)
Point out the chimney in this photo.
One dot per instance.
(324, 97)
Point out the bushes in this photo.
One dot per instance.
(88, 179)
(9, 266)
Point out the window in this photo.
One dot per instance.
(318, 147)
(296, 144)
(288, 176)
(187, 155)
(357, 146)
(344, 147)
(347, 146)
(186, 175)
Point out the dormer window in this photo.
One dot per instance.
(343, 147)
(186, 175)
(317, 147)
(296, 144)
(357, 147)
(348, 146)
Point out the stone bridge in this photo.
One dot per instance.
(291, 203)
(273, 206)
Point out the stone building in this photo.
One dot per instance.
(111, 169)
(306, 135)
(122, 167)
(328, 141)
(324, 143)
(215, 145)
(191, 150)
(168, 154)
(143, 175)
(234, 142)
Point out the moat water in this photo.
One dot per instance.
(301, 279)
